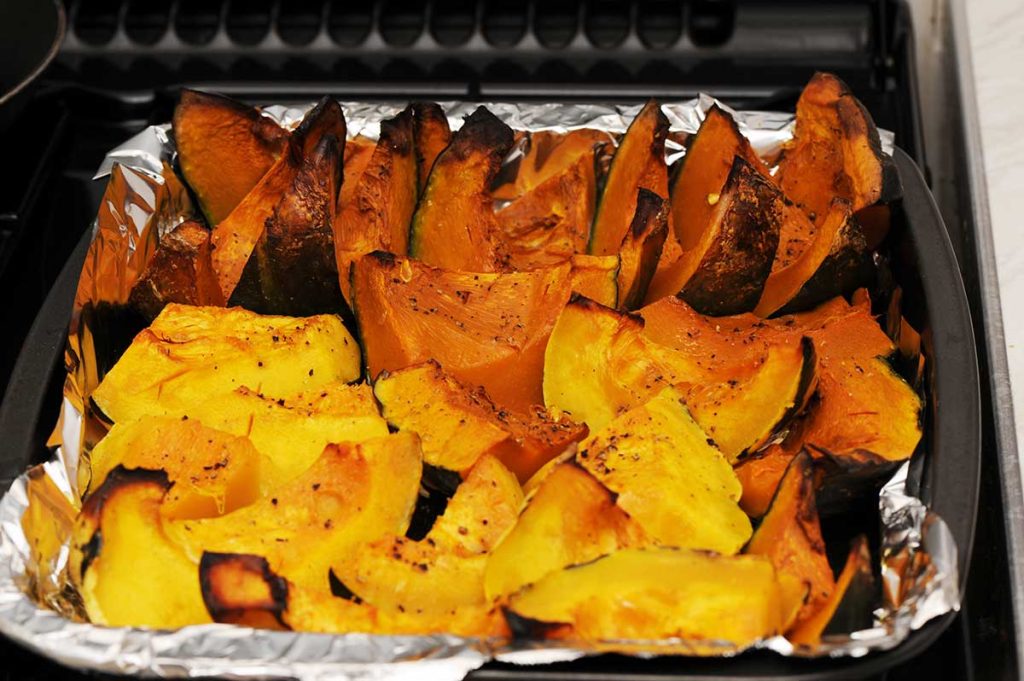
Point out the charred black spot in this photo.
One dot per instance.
(340, 590)
(257, 611)
(525, 627)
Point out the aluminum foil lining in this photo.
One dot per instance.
(144, 199)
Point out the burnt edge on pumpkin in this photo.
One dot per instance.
(481, 132)
(852, 614)
(731, 275)
(649, 224)
(340, 590)
(222, 611)
(848, 266)
(848, 477)
(397, 132)
(92, 508)
(264, 128)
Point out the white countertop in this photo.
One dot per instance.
(996, 36)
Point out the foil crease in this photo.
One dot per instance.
(143, 201)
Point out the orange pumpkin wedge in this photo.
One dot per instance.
(180, 271)
(454, 226)
(790, 535)
(725, 272)
(549, 154)
(639, 162)
(486, 330)
(835, 152)
(224, 148)
(835, 262)
(381, 203)
(855, 582)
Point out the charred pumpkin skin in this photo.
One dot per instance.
(431, 134)
(189, 355)
(454, 226)
(242, 589)
(668, 477)
(641, 247)
(658, 594)
(836, 151)
(297, 272)
(210, 472)
(790, 535)
(704, 171)
(486, 330)
(224, 148)
(836, 261)
(741, 240)
(569, 518)
(180, 271)
(119, 548)
(550, 223)
(298, 196)
(639, 162)
(377, 214)
(856, 584)
(459, 425)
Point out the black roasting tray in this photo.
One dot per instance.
(947, 465)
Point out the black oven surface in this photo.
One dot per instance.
(123, 62)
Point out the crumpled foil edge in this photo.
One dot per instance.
(910, 530)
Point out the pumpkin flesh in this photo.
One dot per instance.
(486, 330)
(180, 271)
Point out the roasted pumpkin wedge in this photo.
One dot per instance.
(180, 271)
(653, 594)
(444, 572)
(835, 152)
(570, 518)
(596, 277)
(285, 222)
(290, 437)
(599, 363)
(486, 330)
(639, 162)
(241, 589)
(741, 414)
(353, 494)
(855, 585)
(458, 425)
(295, 268)
(725, 272)
(550, 222)
(641, 248)
(377, 214)
(432, 135)
(224, 148)
(790, 535)
(836, 261)
(704, 170)
(127, 570)
(210, 472)
(550, 154)
(668, 477)
(454, 225)
(193, 354)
